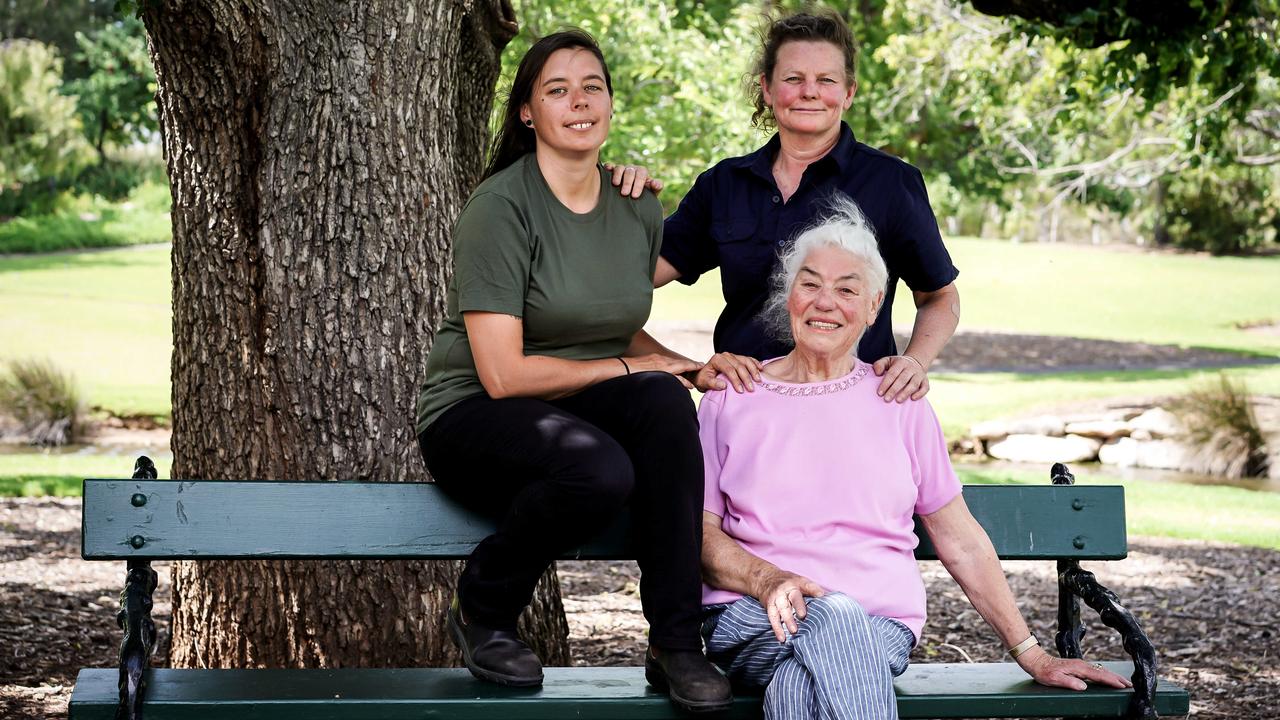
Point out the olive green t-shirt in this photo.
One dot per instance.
(581, 283)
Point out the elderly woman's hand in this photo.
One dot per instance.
(1067, 672)
(782, 594)
(904, 377)
(741, 371)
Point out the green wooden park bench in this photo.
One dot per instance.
(143, 519)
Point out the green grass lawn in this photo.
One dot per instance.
(33, 474)
(103, 315)
(1166, 509)
(1043, 289)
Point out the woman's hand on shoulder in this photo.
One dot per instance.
(1068, 673)
(633, 179)
(741, 371)
(782, 594)
(682, 368)
(902, 377)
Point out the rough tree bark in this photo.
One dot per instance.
(318, 154)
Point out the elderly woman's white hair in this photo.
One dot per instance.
(840, 225)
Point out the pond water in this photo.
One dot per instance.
(1084, 470)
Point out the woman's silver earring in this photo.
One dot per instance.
(528, 123)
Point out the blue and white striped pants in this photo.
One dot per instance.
(839, 665)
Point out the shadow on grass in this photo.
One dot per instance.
(69, 260)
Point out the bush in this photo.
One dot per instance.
(44, 400)
(110, 179)
(1222, 430)
(88, 221)
(1227, 213)
(40, 135)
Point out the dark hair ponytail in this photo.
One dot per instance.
(514, 139)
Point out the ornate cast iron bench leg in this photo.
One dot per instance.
(1075, 584)
(135, 619)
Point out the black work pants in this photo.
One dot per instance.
(558, 472)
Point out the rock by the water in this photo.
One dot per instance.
(1099, 428)
(1041, 425)
(1157, 421)
(1158, 454)
(1022, 447)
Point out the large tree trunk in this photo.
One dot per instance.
(318, 153)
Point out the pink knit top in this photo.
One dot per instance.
(822, 480)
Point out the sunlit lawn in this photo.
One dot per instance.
(103, 315)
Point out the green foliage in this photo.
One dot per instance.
(40, 136)
(1221, 47)
(89, 221)
(1033, 127)
(679, 105)
(117, 177)
(1230, 211)
(44, 399)
(54, 22)
(115, 98)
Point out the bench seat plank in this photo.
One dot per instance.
(206, 519)
(925, 691)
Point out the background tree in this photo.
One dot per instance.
(114, 98)
(56, 23)
(318, 155)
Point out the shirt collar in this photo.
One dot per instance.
(760, 162)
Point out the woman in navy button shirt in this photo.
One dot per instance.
(743, 209)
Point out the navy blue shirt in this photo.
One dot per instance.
(734, 219)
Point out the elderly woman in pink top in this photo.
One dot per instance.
(812, 590)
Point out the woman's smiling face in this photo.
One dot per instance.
(809, 90)
(830, 304)
(570, 104)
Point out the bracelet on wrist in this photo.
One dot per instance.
(1023, 646)
(913, 359)
(625, 365)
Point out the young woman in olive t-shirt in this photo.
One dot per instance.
(545, 403)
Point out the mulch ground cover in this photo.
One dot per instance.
(1210, 609)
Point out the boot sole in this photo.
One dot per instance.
(480, 673)
(658, 679)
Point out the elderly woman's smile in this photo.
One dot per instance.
(830, 304)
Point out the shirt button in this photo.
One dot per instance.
(777, 199)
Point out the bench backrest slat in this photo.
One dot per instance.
(206, 519)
